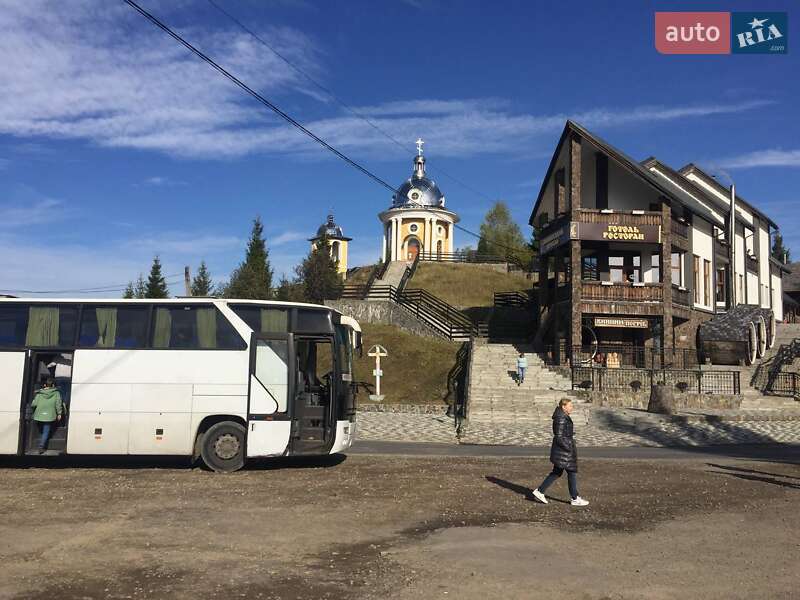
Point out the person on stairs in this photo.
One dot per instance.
(522, 365)
(563, 455)
(49, 409)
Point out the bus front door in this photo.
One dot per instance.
(44, 365)
(12, 376)
(312, 430)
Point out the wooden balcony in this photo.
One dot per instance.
(622, 298)
(622, 292)
(680, 296)
(594, 215)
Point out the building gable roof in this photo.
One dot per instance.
(693, 168)
(661, 184)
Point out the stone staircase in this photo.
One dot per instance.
(494, 396)
(392, 276)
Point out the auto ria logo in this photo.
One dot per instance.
(721, 32)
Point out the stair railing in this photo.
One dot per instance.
(767, 373)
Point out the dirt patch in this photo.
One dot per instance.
(362, 528)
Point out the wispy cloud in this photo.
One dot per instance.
(184, 243)
(761, 158)
(129, 86)
(286, 237)
(35, 213)
(160, 181)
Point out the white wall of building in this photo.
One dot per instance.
(777, 296)
(703, 247)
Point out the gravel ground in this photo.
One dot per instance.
(398, 527)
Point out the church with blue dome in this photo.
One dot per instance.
(417, 220)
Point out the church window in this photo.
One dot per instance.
(413, 228)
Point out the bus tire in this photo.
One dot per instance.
(223, 447)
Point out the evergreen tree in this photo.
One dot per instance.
(253, 278)
(289, 291)
(778, 249)
(139, 289)
(129, 292)
(318, 273)
(201, 283)
(156, 284)
(501, 236)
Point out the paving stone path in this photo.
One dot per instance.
(595, 427)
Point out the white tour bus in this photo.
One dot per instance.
(221, 380)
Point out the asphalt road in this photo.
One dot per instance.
(789, 453)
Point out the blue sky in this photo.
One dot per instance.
(116, 144)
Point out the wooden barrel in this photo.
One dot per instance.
(761, 331)
(752, 343)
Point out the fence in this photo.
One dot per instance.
(635, 380)
(769, 372)
(518, 299)
(621, 355)
(786, 384)
(461, 257)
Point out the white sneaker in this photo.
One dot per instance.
(579, 502)
(539, 496)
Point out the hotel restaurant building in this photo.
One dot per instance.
(638, 254)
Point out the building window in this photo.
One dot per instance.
(413, 228)
(749, 242)
(616, 268)
(741, 297)
(696, 266)
(707, 282)
(720, 285)
(655, 267)
(677, 269)
(589, 270)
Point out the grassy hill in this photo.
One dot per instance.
(415, 372)
(465, 285)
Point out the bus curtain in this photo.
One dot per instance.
(274, 320)
(207, 327)
(106, 327)
(42, 326)
(163, 328)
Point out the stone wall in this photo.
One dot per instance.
(383, 313)
(685, 401)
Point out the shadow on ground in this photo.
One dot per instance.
(163, 462)
(755, 475)
(709, 435)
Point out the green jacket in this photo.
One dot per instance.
(48, 405)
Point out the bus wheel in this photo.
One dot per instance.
(223, 447)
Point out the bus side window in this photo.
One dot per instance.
(113, 327)
(13, 325)
(194, 327)
(51, 326)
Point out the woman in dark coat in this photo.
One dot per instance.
(563, 455)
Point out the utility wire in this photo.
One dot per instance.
(294, 123)
(255, 94)
(117, 287)
(333, 96)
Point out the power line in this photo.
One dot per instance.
(333, 96)
(294, 123)
(117, 287)
(255, 94)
